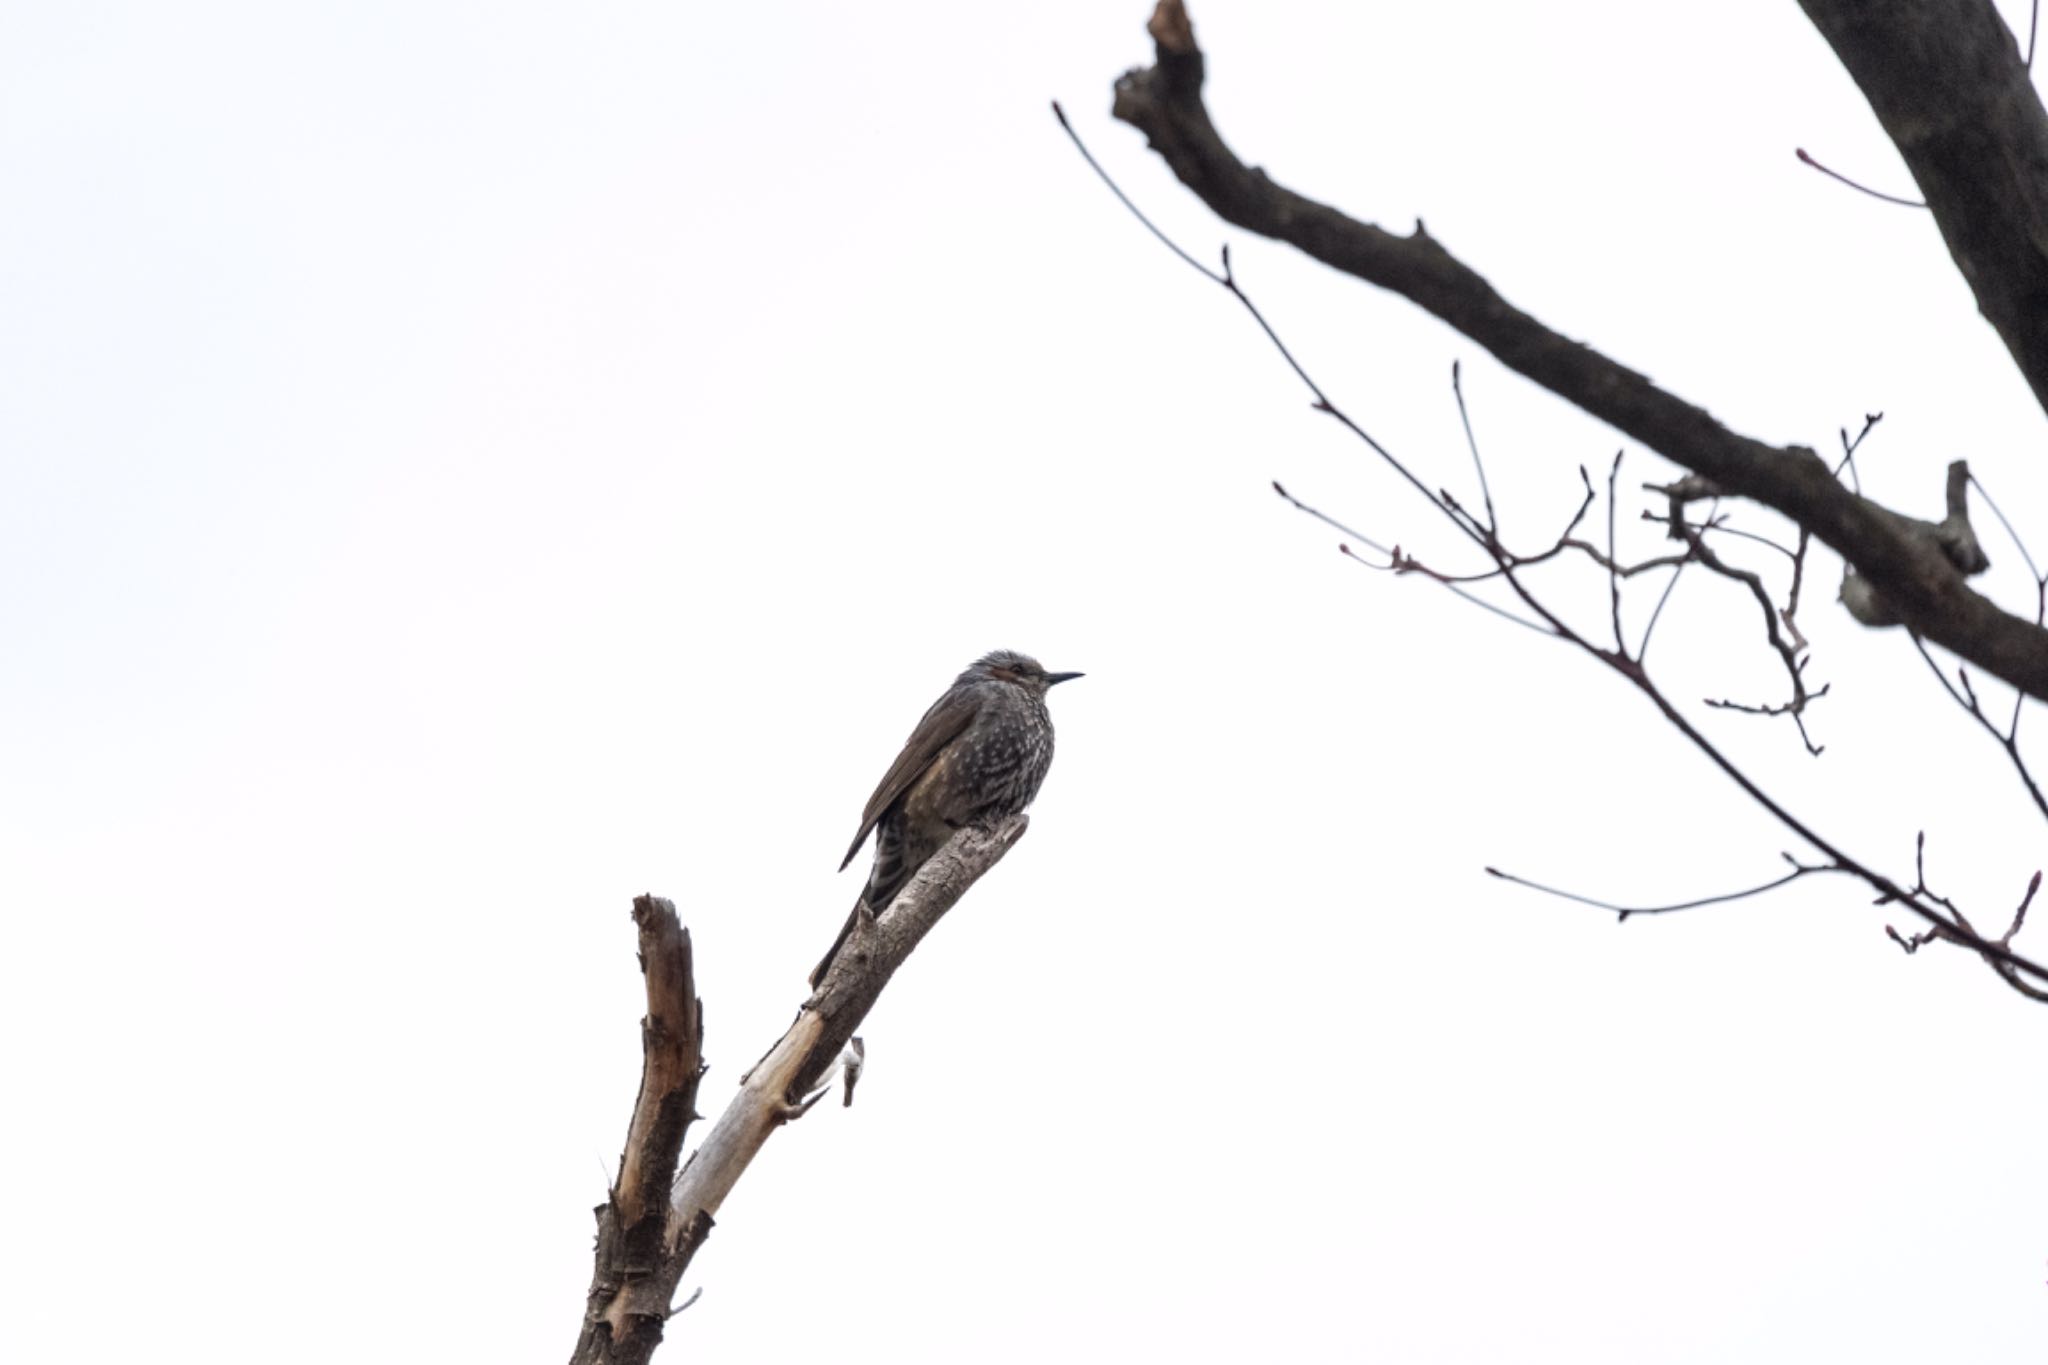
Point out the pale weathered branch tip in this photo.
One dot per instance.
(1171, 28)
(794, 1075)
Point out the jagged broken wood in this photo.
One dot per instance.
(655, 1219)
(637, 1263)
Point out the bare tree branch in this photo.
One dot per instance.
(2007, 739)
(1895, 555)
(1948, 83)
(1913, 943)
(1945, 921)
(1623, 912)
(650, 1227)
(783, 1084)
(637, 1269)
(1856, 185)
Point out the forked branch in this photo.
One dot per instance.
(637, 1268)
(655, 1218)
(1893, 554)
(1422, 266)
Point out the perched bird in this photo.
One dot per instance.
(979, 754)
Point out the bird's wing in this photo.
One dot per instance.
(941, 725)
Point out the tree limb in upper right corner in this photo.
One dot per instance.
(1947, 81)
(1894, 554)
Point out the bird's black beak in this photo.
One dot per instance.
(1052, 678)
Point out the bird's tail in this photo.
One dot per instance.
(845, 932)
(884, 881)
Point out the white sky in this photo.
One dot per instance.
(467, 464)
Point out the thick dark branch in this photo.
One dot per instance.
(638, 1267)
(1941, 915)
(1947, 81)
(1895, 554)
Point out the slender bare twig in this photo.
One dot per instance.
(1848, 460)
(2007, 739)
(1228, 281)
(1465, 420)
(1913, 943)
(1800, 152)
(1789, 652)
(1400, 563)
(2019, 541)
(1657, 612)
(1799, 870)
(1125, 199)
(1791, 644)
(1717, 526)
(1613, 578)
(2019, 916)
(2019, 698)
(1791, 610)
(1920, 886)
(1332, 522)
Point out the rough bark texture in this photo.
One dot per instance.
(1893, 553)
(1946, 79)
(779, 1087)
(654, 1221)
(638, 1263)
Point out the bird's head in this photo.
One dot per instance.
(1021, 670)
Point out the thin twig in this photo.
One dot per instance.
(1326, 519)
(1788, 652)
(1228, 280)
(1399, 562)
(2007, 739)
(1624, 911)
(1125, 199)
(2019, 698)
(2019, 916)
(1792, 597)
(1848, 460)
(1613, 578)
(2018, 541)
(1643, 648)
(1465, 418)
(1717, 528)
(1800, 152)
